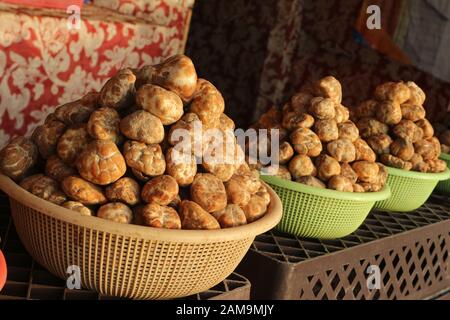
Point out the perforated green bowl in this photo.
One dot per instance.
(444, 185)
(321, 213)
(409, 189)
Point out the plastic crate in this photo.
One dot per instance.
(411, 250)
(28, 280)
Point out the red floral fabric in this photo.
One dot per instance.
(44, 64)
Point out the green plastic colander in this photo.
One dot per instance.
(444, 185)
(321, 213)
(409, 189)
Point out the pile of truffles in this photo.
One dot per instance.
(319, 145)
(395, 127)
(113, 154)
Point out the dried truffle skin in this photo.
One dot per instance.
(83, 191)
(161, 190)
(162, 103)
(340, 183)
(57, 169)
(77, 207)
(194, 217)
(124, 190)
(101, 162)
(46, 137)
(78, 111)
(160, 216)
(45, 188)
(103, 124)
(182, 167)
(118, 91)
(72, 143)
(142, 126)
(18, 157)
(146, 159)
(115, 211)
(231, 216)
(207, 103)
(209, 192)
(176, 74)
(342, 150)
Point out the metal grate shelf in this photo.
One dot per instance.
(411, 250)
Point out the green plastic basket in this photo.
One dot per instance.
(444, 185)
(409, 189)
(321, 213)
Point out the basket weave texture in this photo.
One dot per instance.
(321, 213)
(129, 260)
(409, 189)
(444, 186)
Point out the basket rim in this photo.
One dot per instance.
(267, 222)
(328, 193)
(445, 156)
(419, 175)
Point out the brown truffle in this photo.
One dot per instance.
(159, 216)
(142, 126)
(146, 159)
(45, 188)
(194, 217)
(327, 167)
(115, 211)
(77, 207)
(231, 216)
(83, 191)
(72, 143)
(124, 190)
(182, 167)
(162, 103)
(306, 142)
(101, 162)
(18, 157)
(209, 192)
(342, 150)
(46, 137)
(56, 169)
(301, 165)
(161, 190)
(103, 124)
(118, 91)
(366, 171)
(340, 183)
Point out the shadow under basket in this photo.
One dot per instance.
(444, 185)
(312, 212)
(130, 261)
(409, 189)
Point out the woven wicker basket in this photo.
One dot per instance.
(129, 260)
(321, 213)
(409, 189)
